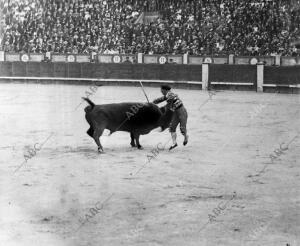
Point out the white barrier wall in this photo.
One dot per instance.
(153, 59)
(260, 77)
(205, 74)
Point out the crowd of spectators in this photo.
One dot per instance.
(196, 27)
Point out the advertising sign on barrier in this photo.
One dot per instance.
(12, 57)
(71, 58)
(24, 58)
(242, 60)
(220, 60)
(105, 58)
(58, 58)
(288, 61)
(208, 60)
(195, 60)
(268, 60)
(36, 57)
(131, 58)
(162, 60)
(253, 61)
(116, 59)
(1, 56)
(83, 58)
(150, 59)
(175, 59)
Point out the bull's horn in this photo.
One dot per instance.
(157, 129)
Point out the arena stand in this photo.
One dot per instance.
(63, 36)
(201, 27)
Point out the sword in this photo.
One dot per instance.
(144, 91)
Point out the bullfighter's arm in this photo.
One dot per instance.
(159, 100)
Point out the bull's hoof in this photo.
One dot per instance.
(100, 150)
(186, 139)
(140, 147)
(132, 144)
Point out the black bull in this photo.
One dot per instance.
(136, 118)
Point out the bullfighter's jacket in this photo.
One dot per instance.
(172, 99)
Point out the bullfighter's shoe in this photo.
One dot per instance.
(173, 146)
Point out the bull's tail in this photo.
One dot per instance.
(92, 105)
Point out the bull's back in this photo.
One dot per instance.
(129, 117)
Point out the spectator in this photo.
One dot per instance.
(199, 27)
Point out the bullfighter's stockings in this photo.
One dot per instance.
(174, 135)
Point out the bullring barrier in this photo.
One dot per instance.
(206, 76)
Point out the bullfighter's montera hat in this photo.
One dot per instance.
(165, 87)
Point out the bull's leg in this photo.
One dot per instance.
(96, 135)
(137, 139)
(132, 143)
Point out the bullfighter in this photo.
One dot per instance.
(180, 114)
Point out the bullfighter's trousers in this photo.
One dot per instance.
(180, 116)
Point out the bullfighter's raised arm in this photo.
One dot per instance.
(159, 100)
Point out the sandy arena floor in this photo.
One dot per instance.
(223, 188)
